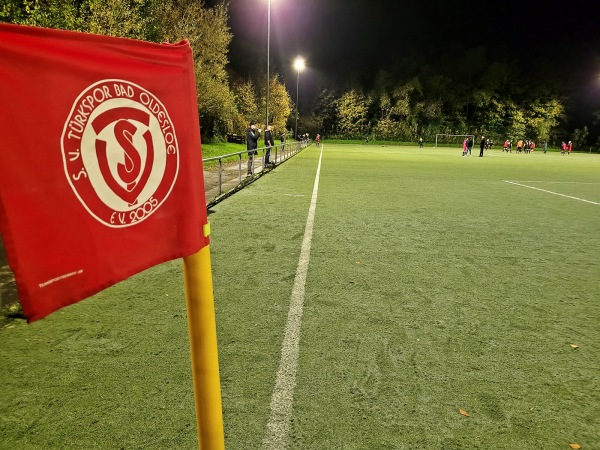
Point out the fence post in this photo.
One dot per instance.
(220, 170)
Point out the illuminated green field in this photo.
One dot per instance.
(436, 283)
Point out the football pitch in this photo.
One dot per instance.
(367, 297)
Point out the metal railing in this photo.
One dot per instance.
(227, 175)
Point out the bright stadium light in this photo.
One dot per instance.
(298, 65)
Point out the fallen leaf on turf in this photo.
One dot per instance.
(575, 446)
(574, 346)
(463, 412)
(357, 262)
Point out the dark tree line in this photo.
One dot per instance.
(467, 91)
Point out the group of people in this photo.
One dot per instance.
(253, 134)
(566, 147)
(484, 144)
(528, 146)
(252, 137)
(467, 146)
(525, 146)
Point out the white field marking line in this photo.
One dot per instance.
(550, 192)
(278, 427)
(558, 182)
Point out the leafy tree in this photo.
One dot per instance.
(280, 106)
(517, 122)
(123, 18)
(352, 111)
(544, 117)
(311, 124)
(387, 129)
(280, 103)
(580, 137)
(246, 102)
(208, 33)
(64, 14)
(326, 111)
(408, 109)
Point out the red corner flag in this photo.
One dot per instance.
(100, 162)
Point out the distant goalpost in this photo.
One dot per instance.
(452, 138)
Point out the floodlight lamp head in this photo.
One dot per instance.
(299, 63)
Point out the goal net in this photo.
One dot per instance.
(452, 139)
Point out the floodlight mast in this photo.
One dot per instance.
(268, 55)
(298, 65)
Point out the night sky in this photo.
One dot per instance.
(354, 39)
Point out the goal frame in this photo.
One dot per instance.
(452, 135)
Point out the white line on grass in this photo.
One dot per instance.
(278, 427)
(550, 192)
(557, 182)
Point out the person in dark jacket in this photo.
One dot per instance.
(282, 140)
(252, 136)
(482, 145)
(269, 143)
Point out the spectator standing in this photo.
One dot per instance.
(569, 147)
(421, 142)
(469, 146)
(269, 143)
(465, 147)
(252, 136)
(545, 147)
(482, 146)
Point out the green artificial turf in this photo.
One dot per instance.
(434, 286)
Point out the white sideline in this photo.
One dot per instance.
(278, 427)
(550, 192)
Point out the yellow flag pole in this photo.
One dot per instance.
(203, 345)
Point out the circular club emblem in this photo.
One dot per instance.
(120, 152)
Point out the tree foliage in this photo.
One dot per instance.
(280, 104)
(165, 21)
(246, 102)
(208, 33)
(352, 111)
